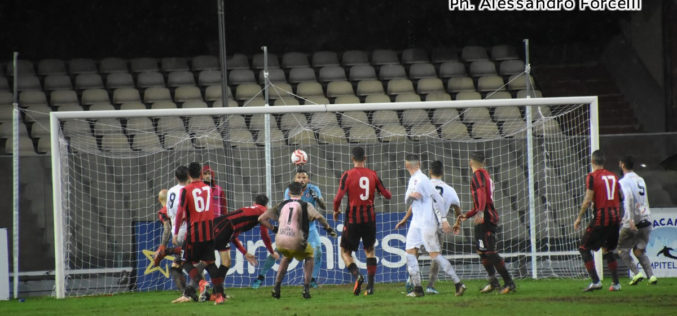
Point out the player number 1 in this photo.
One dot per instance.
(610, 182)
(364, 184)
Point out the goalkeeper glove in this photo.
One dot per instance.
(332, 232)
(275, 229)
(313, 194)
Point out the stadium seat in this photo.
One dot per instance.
(70, 107)
(257, 61)
(119, 80)
(301, 74)
(392, 71)
(473, 53)
(380, 118)
(331, 135)
(301, 136)
(257, 122)
(485, 130)
(454, 131)
(75, 127)
(362, 72)
(519, 82)
(137, 125)
(547, 127)
(51, 67)
(322, 119)
(286, 100)
(156, 94)
(205, 62)
(490, 83)
(36, 112)
(234, 121)
(170, 64)
(400, 86)
(457, 84)
(295, 60)
(25, 147)
(346, 99)
(112, 64)
(209, 78)
(353, 118)
(393, 133)
(106, 126)
(82, 141)
(494, 95)
(482, 68)
(425, 130)
(6, 98)
(147, 142)
(443, 116)
(194, 104)
(408, 97)
(289, 121)
(28, 82)
(187, 93)
(240, 76)
(143, 64)
(534, 94)
(368, 87)
(275, 75)
(163, 105)
(276, 137)
(246, 91)
(452, 69)
(511, 67)
(240, 138)
(213, 93)
(540, 111)
(377, 98)
(315, 99)
(414, 117)
(176, 140)
(101, 107)
(473, 115)
(132, 106)
(309, 88)
(332, 73)
(44, 145)
(443, 54)
(58, 82)
(384, 57)
(325, 58)
(429, 85)
(339, 88)
(30, 98)
(354, 57)
(468, 95)
(170, 123)
(362, 134)
(414, 56)
(255, 101)
(503, 52)
(237, 61)
(418, 71)
(507, 113)
(150, 79)
(4, 85)
(40, 128)
(201, 124)
(88, 81)
(438, 96)
(279, 89)
(180, 78)
(26, 67)
(78, 66)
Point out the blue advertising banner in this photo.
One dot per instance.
(389, 253)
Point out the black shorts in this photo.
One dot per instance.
(199, 251)
(223, 232)
(485, 238)
(352, 233)
(600, 236)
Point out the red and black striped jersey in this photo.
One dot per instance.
(162, 214)
(482, 190)
(360, 184)
(196, 209)
(242, 220)
(604, 184)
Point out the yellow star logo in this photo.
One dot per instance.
(150, 268)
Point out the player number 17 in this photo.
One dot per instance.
(610, 182)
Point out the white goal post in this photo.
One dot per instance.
(527, 164)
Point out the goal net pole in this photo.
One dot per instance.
(594, 145)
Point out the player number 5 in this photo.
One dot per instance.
(364, 184)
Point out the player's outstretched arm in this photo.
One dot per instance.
(313, 214)
(589, 195)
(166, 233)
(382, 189)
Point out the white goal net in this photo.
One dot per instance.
(109, 166)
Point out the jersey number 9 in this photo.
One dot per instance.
(364, 184)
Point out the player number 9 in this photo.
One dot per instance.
(364, 184)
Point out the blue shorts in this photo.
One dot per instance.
(314, 236)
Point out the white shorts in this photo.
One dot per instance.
(181, 236)
(423, 236)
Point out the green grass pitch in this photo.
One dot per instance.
(540, 297)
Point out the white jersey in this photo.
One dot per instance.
(426, 210)
(448, 195)
(635, 202)
(173, 196)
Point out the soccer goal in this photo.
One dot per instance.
(108, 167)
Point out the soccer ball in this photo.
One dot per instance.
(299, 157)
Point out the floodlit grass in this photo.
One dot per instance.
(541, 297)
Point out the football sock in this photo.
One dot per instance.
(445, 265)
(613, 266)
(412, 267)
(307, 270)
(371, 271)
(627, 260)
(260, 277)
(589, 264)
(179, 278)
(318, 262)
(499, 264)
(646, 264)
(434, 271)
(267, 265)
(491, 271)
(353, 269)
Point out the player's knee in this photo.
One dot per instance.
(638, 252)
